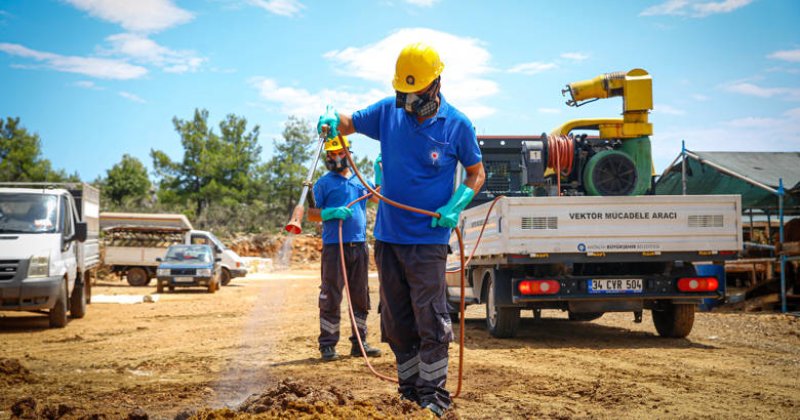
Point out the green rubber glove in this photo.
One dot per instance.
(331, 119)
(343, 213)
(453, 208)
(378, 171)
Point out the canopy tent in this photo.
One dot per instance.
(753, 175)
(767, 181)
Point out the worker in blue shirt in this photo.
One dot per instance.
(332, 192)
(422, 139)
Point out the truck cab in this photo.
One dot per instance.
(232, 264)
(48, 248)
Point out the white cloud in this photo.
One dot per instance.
(138, 15)
(279, 7)
(145, 51)
(302, 103)
(466, 63)
(575, 56)
(103, 68)
(549, 110)
(751, 89)
(668, 110)
(742, 134)
(131, 97)
(87, 84)
(694, 8)
(532, 68)
(786, 55)
(422, 3)
(699, 97)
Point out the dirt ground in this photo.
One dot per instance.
(193, 354)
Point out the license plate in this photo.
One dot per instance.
(184, 279)
(615, 286)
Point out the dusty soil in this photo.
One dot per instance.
(251, 348)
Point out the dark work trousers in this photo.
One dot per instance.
(414, 317)
(330, 295)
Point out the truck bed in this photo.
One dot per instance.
(581, 226)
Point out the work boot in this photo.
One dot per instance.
(433, 408)
(328, 353)
(410, 395)
(371, 351)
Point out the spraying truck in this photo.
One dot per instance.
(133, 242)
(574, 226)
(48, 248)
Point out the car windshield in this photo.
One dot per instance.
(28, 213)
(189, 253)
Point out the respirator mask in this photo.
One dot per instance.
(423, 105)
(336, 164)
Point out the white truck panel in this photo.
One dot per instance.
(133, 256)
(531, 225)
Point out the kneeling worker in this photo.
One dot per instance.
(332, 192)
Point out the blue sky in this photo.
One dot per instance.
(99, 78)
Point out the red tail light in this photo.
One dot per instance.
(698, 284)
(727, 252)
(539, 287)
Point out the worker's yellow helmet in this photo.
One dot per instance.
(417, 66)
(333, 145)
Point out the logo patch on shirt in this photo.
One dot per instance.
(434, 155)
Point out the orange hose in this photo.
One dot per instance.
(560, 156)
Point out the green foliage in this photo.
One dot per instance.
(215, 169)
(126, 182)
(20, 157)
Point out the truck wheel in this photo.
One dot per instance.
(58, 314)
(88, 283)
(77, 303)
(675, 320)
(137, 276)
(159, 287)
(585, 316)
(501, 322)
(225, 277)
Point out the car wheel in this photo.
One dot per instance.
(137, 276)
(225, 277)
(58, 314)
(77, 303)
(674, 321)
(501, 322)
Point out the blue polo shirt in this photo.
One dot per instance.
(334, 190)
(419, 166)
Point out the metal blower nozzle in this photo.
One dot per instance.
(295, 225)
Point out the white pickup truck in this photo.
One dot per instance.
(592, 254)
(48, 248)
(133, 241)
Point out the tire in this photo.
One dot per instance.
(585, 317)
(501, 322)
(77, 302)
(58, 314)
(159, 287)
(137, 276)
(171, 288)
(225, 277)
(675, 320)
(88, 276)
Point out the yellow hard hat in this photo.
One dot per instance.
(333, 145)
(417, 66)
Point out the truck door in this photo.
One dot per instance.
(67, 228)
